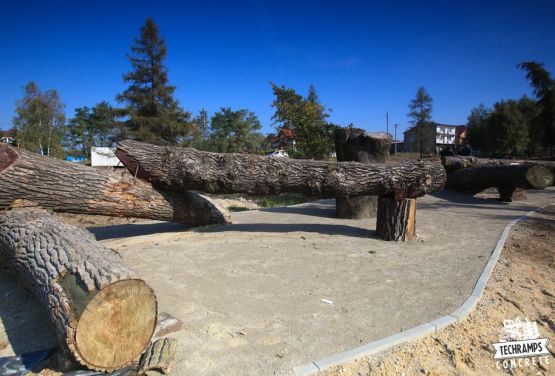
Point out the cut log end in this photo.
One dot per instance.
(7, 157)
(116, 325)
(539, 177)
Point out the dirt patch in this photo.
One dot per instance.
(522, 285)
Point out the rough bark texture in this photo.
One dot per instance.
(503, 177)
(73, 188)
(160, 356)
(458, 162)
(353, 144)
(175, 168)
(103, 314)
(396, 219)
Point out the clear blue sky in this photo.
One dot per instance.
(365, 58)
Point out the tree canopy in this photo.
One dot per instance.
(306, 117)
(542, 126)
(234, 131)
(420, 115)
(154, 115)
(39, 123)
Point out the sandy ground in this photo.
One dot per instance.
(250, 294)
(522, 285)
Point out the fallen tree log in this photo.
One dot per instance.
(103, 314)
(176, 168)
(458, 162)
(69, 187)
(354, 144)
(506, 178)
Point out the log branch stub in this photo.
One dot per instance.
(396, 220)
(62, 186)
(179, 169)
(103, 313)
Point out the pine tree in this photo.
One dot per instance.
(421, 114)
(153, 114)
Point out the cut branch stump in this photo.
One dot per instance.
(396, 219)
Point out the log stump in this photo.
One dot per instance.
(396, 219)
(354, 144)
(103, 314)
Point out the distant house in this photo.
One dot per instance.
(6, 137)
(284, 139)
(104, 157)
(439, 136)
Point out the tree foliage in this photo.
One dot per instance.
(90, 127)
(153, 114)
(234, 131)
(420, 115)
(39, 123)
(504, 129)
(306, 117)
(542, 126)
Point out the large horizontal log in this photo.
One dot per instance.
(176, 168)
(103, 314)
(504, 177)
(69, 187)
(458, 162)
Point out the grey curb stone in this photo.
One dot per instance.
(442, 322)
(422, 330)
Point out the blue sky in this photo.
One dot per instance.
(364, 58)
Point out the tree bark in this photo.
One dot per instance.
(103, 314)
(175, 168)
(353, 144)
(68, 187)
(503, 177)
(458, 162)
(396, 219)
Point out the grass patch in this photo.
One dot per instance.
(282, 199)
(237, 208)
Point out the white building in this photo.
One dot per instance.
(445, 136)
(104, 157)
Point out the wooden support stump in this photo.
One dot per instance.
(354, 144)
(103, 314)
(396, 219)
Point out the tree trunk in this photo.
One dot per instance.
(458, 162)
(102, 313)
(175, 168)
(503, 177)
(396, 219)
(353, 144)
(69, 187)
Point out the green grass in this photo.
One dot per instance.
(282, 199)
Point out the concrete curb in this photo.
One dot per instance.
(420, 331)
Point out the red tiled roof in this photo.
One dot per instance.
(6, 134)
(287, 132)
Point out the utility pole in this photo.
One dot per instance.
(395, 138)
(387, 122)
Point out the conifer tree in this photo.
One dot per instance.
(153, 114)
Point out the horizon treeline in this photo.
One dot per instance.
(149, 112)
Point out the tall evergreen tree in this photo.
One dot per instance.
(153, 113)
(420, 113)
(543, 125)
(39, 123)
